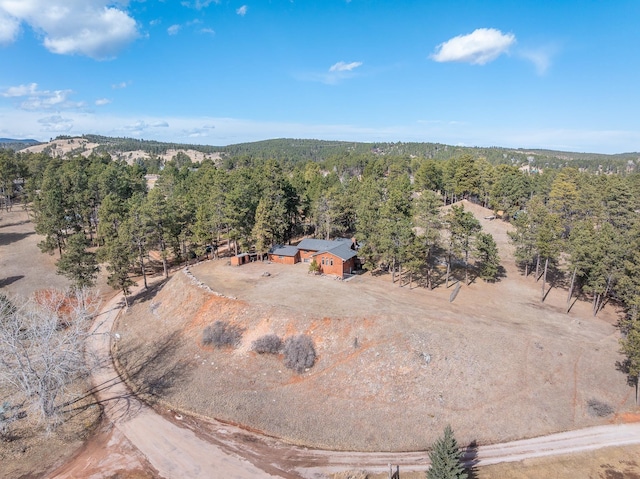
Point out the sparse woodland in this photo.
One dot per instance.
(575, 222)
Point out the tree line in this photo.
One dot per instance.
(572, 228)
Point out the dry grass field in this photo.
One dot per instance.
(394, 365)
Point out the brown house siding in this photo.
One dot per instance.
(306, 256)
(274, 258)
(334, 265)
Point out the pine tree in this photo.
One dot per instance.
(77, 263)
(489, 264)
(446, 459)
(630, 347)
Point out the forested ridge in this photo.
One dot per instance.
(574, 227)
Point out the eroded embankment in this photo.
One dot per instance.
(379, 383)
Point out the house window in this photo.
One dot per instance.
(331, 261)
(280, 257)
(322, 260)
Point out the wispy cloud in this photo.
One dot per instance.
(102, 101)
(540, 57)
(174, 29)
(478, 48)
(93, 28)
(242, 11)
(208, 31)
(344, 67)
(122, 84)
(35, 99)
(199, 4)
(201, 132)
(335, 74)
(56, 123)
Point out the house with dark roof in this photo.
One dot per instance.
(335, 257)
(284, 254)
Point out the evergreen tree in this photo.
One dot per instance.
(487, 250)
(427, 219)
(446, 459)
(78, 264)
(463, 226)
(630, 347)
(120, 256)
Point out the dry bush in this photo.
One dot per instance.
(351, 475)
(221, 334)
(269, 343)
(598, 408)
(299, 353)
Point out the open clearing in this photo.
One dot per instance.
(395, 365)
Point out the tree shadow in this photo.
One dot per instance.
(158, 369)
(8, 238)
(10, 280)
(624, 367)
(145, 295)
(16, 223)
(470, 460)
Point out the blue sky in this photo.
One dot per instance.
(530, 74)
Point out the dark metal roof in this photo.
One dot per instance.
(281, 250)
(340, 248)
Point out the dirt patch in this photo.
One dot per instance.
(28, 451)
(395, 365)
(608, 463)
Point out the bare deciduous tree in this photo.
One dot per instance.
(42, 347)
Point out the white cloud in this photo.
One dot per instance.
(93, 28)
(242, 11)
(21, 90)
(344, 67)
(122, 84)
(173, 29)
(102, 101)
(482, 46)
(209, 31)
(9, 28)
(35, 99)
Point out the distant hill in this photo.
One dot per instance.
(292, 151)
(15, 144)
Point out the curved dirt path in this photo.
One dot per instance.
(136, 437)
(171, 451)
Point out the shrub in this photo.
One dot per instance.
(269, 343)
(299, 353)
(314, 267)
(221, 334)
(598, 408)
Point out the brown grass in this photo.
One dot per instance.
(502, 364)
